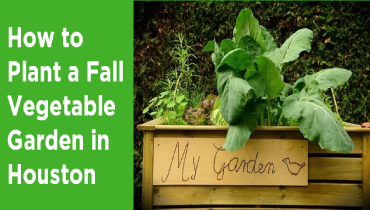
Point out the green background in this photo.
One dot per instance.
(107, 30)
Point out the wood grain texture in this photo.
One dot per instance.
(148, 125)
(366, 172)
(315, 194)
(147, 182)
(313, 147)
(203, 161)
(323, 166)
(223, 133)
(326, 168)
(153, 125)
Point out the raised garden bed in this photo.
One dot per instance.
(250, 165)
(335, 180)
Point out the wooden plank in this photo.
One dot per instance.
(275, 134)
(190, 134)
(202, 161)
(315, 194)
(147, 182)
(357, 129)
(314, 147)
(222, 134)
(366, 169)
(153, 125)
(326, 168)
(148, 125)
(191, 127)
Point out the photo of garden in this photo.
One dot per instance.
(251, 105)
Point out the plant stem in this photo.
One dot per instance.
(335, 102)
(262, 120)
(177, 84)
(280, 118)
(268, 113)
(189, 88)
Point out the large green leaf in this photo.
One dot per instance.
(287, 90)
(217, 55)
(299, 84)
(300, 41)
(251, 71)
(275, 56)
(238, 135)
(272, 78)
(329, 77)
(259, 107)
(237, 59)
(258, 83)
(316, 121)
(268, 39)
(250, 45)
(227, 45)
(246, 24)
(210, 46)
(215, 115)
(235, 92)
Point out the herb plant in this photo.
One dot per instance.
(252, 91)
(181, 55)
(168, 108)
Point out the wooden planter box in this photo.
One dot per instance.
(335, 181)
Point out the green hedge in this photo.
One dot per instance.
(341, 39)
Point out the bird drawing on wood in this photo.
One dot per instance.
(293, 167)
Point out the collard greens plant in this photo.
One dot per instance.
(252, 91)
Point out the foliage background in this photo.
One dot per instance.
(341, 39)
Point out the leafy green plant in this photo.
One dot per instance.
(168, 108)
(252, 91)
(335, 44)
(181, 54)
(215, 115)
(196, 96)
